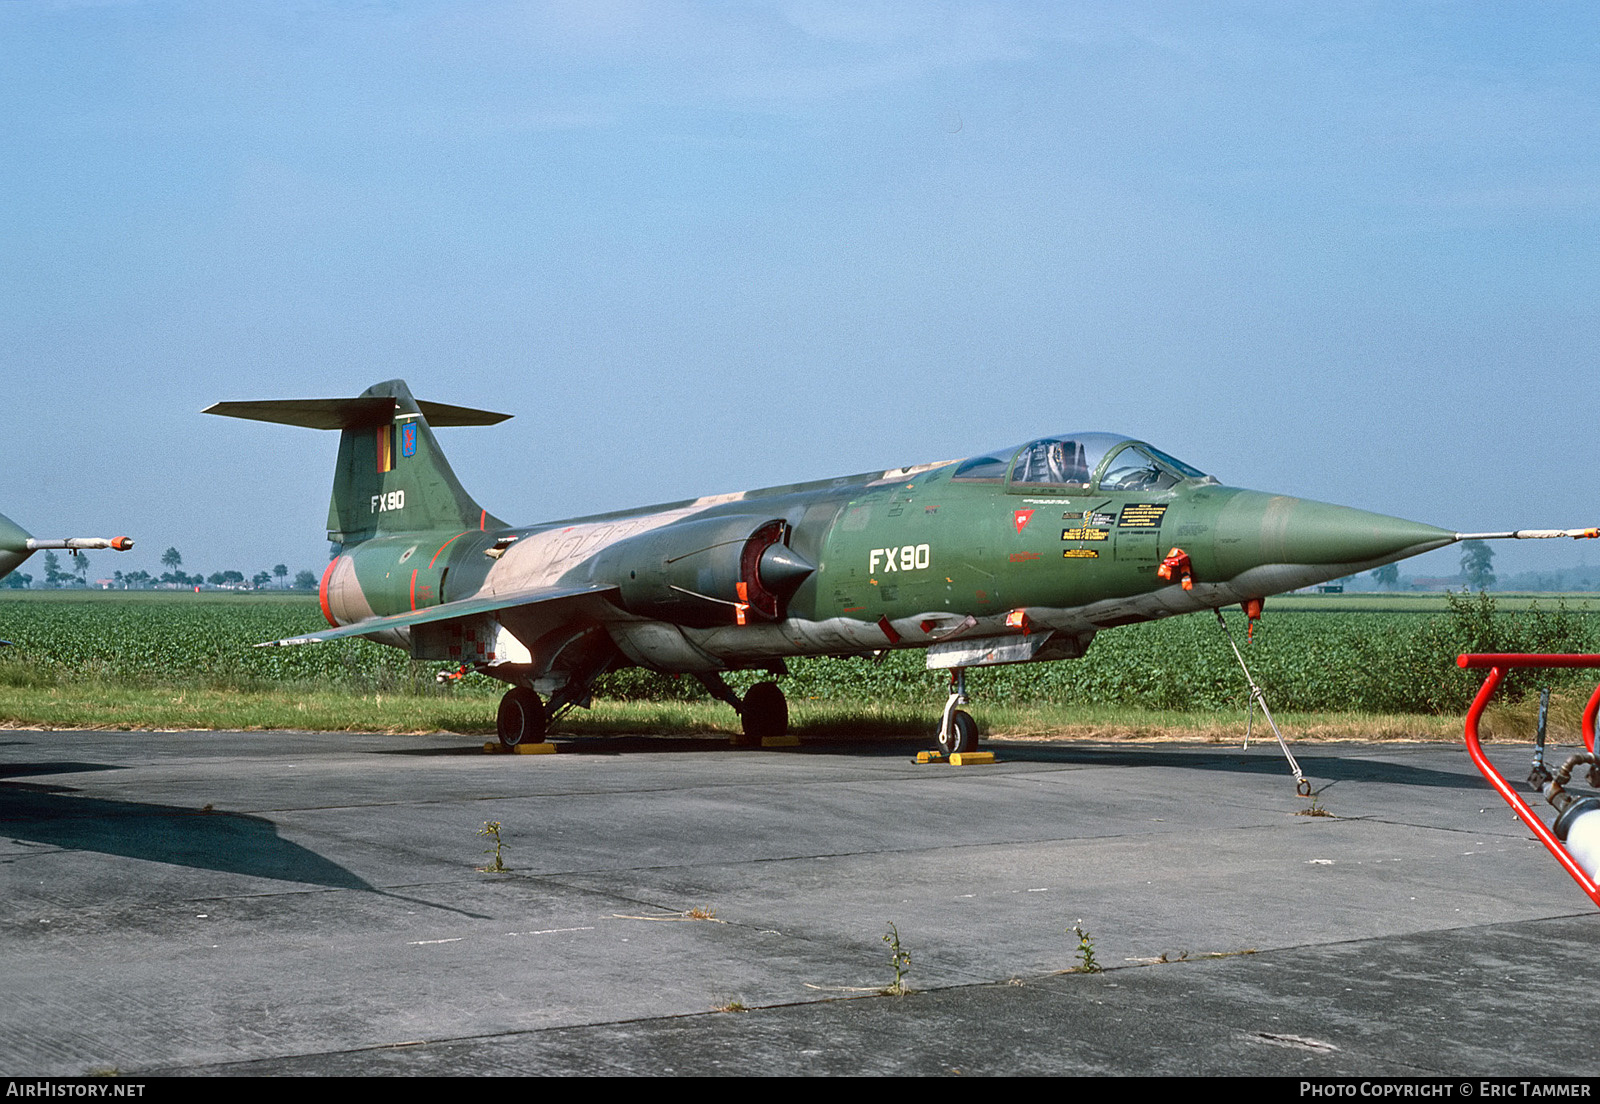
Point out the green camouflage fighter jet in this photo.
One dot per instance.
(1019, 555)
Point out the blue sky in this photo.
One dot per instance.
(1345, 251)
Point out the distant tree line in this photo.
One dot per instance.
(1477, 573)
(174, 577)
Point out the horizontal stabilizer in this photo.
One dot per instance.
(448, 611)
(349, 413)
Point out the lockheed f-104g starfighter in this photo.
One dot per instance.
(1018, 555)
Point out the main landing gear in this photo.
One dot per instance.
(522, 718)
(763, 714)
(958, 732)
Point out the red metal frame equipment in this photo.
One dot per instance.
(1575, 840)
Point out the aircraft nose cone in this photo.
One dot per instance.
(1258, 528)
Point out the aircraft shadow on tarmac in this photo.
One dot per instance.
(21, 770)
(608, 744)
(1320, 767)
(234, 843)
(893, 746)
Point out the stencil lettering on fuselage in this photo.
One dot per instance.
(909, 557)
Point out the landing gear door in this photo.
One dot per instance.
(481, 640)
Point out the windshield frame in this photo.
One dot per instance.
(1006, 465)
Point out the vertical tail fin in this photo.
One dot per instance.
(391, 475)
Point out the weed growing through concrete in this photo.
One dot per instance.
(1086, 959)
(1315, 808)
(491, 830)
(900, 959)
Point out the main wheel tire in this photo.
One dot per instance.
(963, 734)
(763, 713)
(521, 719)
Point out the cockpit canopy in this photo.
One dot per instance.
(1081, 461)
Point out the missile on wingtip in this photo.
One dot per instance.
(120, 544)
(16, 545)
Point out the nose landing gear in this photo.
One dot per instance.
(958, 732)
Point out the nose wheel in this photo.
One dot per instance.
(961, 734)
(522, 718)
(958, 732)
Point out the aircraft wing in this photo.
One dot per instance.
(449, 611)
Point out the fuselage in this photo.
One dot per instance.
(910, 557)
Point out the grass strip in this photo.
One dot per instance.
(107, 704)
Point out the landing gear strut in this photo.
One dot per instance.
(957, 730)
(763, 714)
(522, 718)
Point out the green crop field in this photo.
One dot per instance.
(168, 637)
(147, 659)
(1425, 602)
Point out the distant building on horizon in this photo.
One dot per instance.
(1433, 582)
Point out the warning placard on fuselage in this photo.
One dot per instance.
(1141, 515)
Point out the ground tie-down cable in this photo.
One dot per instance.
(1302, 784)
